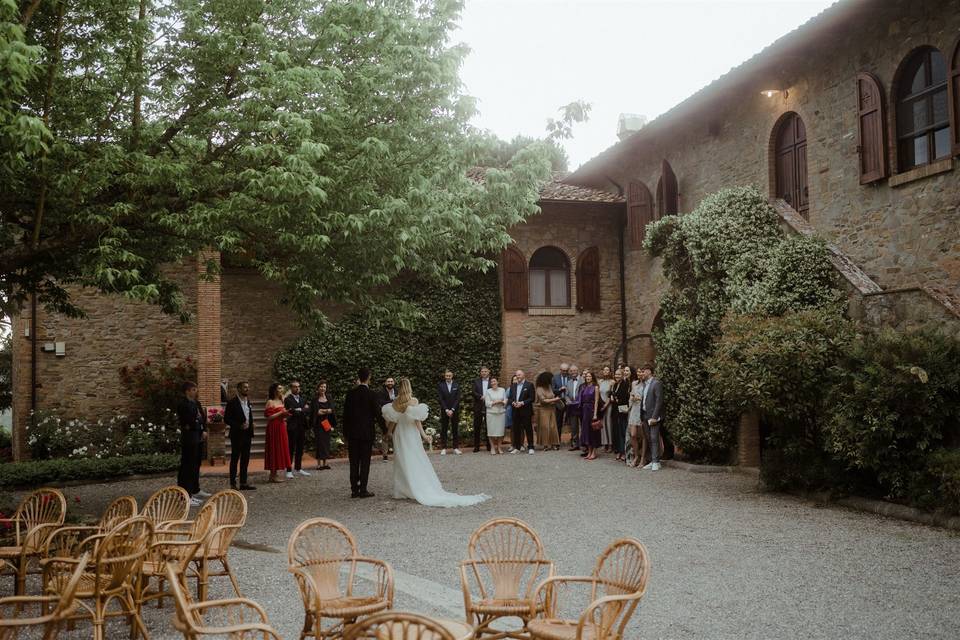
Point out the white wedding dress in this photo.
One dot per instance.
(413, 475)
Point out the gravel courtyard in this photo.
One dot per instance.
(729, 561)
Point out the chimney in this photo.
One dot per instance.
(630, 123)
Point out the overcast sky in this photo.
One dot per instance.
(529, 57)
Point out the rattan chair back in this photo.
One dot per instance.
(230, 515)
(397, 625)
(42, 507)
(121, 553)
(320, 547)
(123, 508)
(507, 548)
(622, 570)
(166, 505)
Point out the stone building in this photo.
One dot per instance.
(851, 123)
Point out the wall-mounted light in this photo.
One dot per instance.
(769, 93)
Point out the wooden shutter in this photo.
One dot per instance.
(871, 121)
(514, 279)
(588, 280)
(639, 212)
(953, 98)
(671, 193)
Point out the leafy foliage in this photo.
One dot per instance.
(460, 330)
(728, 255)
(37, 473)
(6, 372)
(287, 134)
(156, 382)
(54, 437)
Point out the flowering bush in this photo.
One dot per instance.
(156, 381)
(54, 437)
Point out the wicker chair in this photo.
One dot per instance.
(505, 562)
(229, 517)
(175, 546)
(167, 505)
(65, 541)
(395, 625)
(63, 605)
(236, 618)
(39, 514)
(318, 552)
(108, 576)
(616, 586)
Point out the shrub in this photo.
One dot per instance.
(156, 382)
(942, 485)
(35, 473)
(54, 437)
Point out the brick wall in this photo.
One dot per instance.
(899, 235)
(587, 338)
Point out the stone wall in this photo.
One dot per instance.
(85, 382)
(534, 341)
(900, 236)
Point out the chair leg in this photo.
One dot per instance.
(137, 621)
(202, 583)
(233, 578)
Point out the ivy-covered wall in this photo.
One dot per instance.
(460, 330)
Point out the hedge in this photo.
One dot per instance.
(36, 473)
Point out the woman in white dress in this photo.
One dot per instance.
(413, 475)
(496, 400)
(635, 418)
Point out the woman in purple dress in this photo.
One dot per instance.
(589, 399)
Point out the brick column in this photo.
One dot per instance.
(748, 440)
(208, 347)
(20, 325)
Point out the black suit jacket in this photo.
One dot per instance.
(449, 399)
(234, 417)
(383, 397)
(522, 393)
(479, 403)
(192, 419)
(360, 411)
(297, 419)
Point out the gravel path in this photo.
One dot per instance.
(728, 560)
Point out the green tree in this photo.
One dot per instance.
(325, 143)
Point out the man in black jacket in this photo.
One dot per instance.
(521, 397)
(193, 431)
(480, 386)
(360, 410)
(449, 392)
(299, 410)
(239, 417)
(386, 395)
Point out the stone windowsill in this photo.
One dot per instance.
(551, 311)
(927, 170)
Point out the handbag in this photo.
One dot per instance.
(325, 423)
(596, 425)
(623, 408)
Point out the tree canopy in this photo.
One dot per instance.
(323, 142)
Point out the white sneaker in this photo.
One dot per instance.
(202, 494)
(290, 475)
(648, 466)
(195, 502)
(443, 452)
(303, 472)
(530, 451)
(514, 451)
(655, 467)
(457, 452)
(493, 453)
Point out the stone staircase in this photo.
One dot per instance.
(259, 430)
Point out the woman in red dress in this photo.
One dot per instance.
(277, 453)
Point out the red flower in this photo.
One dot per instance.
(76, 499)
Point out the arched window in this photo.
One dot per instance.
(549, 278)
(923, 121)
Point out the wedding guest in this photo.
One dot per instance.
(239, 417)
(495, 404)
(620, 395)
(635, 418)
(449, 392)
(521, 397)
(360, 409)
(652, 403)
(573, 407)
(299, 410)
(560, 390)
(590, 425)
(606, 414)
(276, 455)
(323, 419)
(193, 432)
(386, 395)
(480, 386)
(546, 412)
(508, 419)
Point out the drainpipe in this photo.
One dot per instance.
(623, 275)
(33, 350)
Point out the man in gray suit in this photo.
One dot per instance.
(652, 408)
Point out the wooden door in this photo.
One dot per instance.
(791, 164)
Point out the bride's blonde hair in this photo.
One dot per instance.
(404, 395)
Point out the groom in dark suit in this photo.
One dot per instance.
(449, 392)
(360, 411)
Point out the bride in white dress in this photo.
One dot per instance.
(413, 475)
